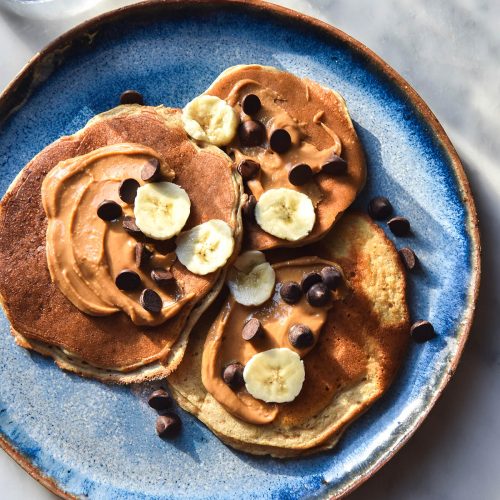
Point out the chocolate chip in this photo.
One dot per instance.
(408, 257)
(379, 208)
(334, 166)
(131, 227)
(252, 329)
(109, 210)
(300, 174)
(248, 209)
(250, 104)
(127, 280)
(248, 169)
(280, 141)
(168, 425)
(290, 292)
(233, 376)
(251, 133)
(318, 295)
(142, 255)
(128, 190)
(162, 277)
(160, 400)
(165, 246)
(309, 279)
(331, 277)
(151, 301)
(422, 331)
(131, 97)
(400, 226)
(300, 336)
(150, 171)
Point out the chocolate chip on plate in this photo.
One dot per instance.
(233, 376)
(151, 301)
(162, 277)
(128, 190)
(165, 246)
(150, 171)
(300, 174)
(160, 400)
(250, 104)
(408, 257)
(400, 226)
(290, 292)
(331, 277)
(422, 331)
(142, 255)
(280, 141)
(131, 227)
(131, 97)
(309, 279)
(252, 329)
(300, 336)
(248, 169)
(127, 280)
(379, 208)
(168, 425)
(334, 166)
(318, 295)
(109, 210)
(251, 133)
(248, 209)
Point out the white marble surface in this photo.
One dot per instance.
(450, 52)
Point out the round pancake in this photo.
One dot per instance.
(303, 99)
(41, 316)
(361, 346)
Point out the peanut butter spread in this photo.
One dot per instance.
(225, 344)
(85, 253)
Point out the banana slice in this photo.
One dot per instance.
(205, 248)
(275, 376)
(251, 279)
(210, 119)
(161, 209)
(285, 213)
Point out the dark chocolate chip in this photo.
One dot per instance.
(280, 141)
(151, 301)
(248, 169)
(422, 331)
(168, 425)
(300, 336)
(300, 174)
(250, 104)
(131, 227)
(248, 209)
(379, 208)
(251, 133)
(165, 246)
(150, 171)
(309, 279)
(162, 277)
(252, 329)
(128, 190)
(408, 257)
(160, 400)
(127, 280)
(109, 210)
(131, 97)
(142, 255)
(318, 295)
(334, 166)
(331, 277)
(400, 226)
(290, 292)
(233, 376)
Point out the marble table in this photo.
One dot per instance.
(450, 52)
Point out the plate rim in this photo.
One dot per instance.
(21, 86)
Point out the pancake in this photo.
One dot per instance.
(319, 122)
(110, 348)
(360, 348)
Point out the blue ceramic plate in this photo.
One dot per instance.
(82, 438)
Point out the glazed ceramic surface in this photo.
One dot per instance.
(99, 441)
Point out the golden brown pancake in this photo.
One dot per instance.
(323, 119)
(359, 351)
(110, 348)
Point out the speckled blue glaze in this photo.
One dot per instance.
(98, 441)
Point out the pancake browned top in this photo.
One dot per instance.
(35, 306)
